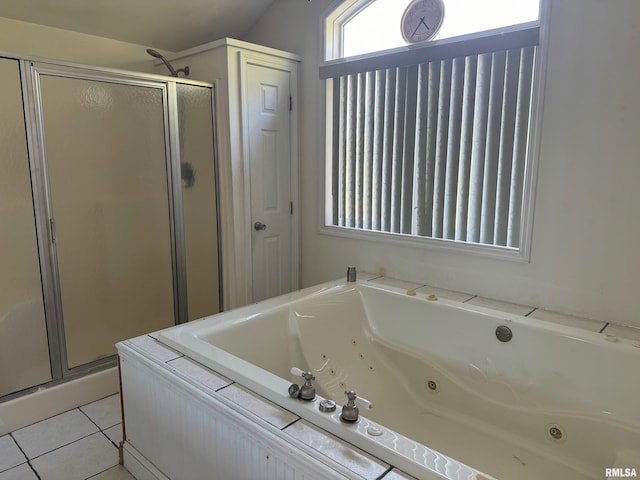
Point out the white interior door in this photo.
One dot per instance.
(268, 95)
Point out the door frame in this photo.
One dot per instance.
(243, 252)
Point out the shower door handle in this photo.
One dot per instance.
(259, 226)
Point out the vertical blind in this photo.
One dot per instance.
(435, 148)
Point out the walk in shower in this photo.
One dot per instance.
(108, 214)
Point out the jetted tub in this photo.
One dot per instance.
(554, 402)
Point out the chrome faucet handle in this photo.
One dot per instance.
(308, 376)
(297, 372)
(306, 391)
(353, 399)
(350, 412)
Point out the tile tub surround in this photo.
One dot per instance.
(76, 445)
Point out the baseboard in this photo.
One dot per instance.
(47, 402)
(139, 466)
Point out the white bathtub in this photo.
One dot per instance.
(555, 402)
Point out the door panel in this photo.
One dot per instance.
(195, 118)
(24, 352)
(268, 93)
(107, 169)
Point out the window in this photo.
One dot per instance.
(432, 143)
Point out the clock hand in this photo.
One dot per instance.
(418, 26)
(421, 22)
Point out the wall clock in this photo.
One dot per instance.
(422, 20)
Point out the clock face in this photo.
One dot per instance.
(422, 20)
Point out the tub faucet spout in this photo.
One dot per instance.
(351, 273)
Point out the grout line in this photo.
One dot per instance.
(101, 430)
(28, 460)
(107, 436)
(27, 463)
(225, 386)
(90, 419)
(182, 355)
(103, 471)
(19, 447)
(291, 423)
(65, 445)
(33, 469)
(12, 467)
(385, 473)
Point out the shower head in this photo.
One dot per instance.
(154, 53)
(174, 72)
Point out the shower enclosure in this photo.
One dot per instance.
(108, 214)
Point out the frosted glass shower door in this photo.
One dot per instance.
(24, 352)
(110, 206)
(195, 127)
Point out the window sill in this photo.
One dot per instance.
(435, 244)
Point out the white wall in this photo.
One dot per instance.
(53, 43)
(587, 225)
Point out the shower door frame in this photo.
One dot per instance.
(30, 71)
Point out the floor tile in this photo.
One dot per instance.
(23, 472)
(10, 454)
(79, 460)
(568, 320)
(506, 307)
(115, 473)
(104, 413)
(54, 432)
(115, 434)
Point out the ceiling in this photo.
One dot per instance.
(171, 25)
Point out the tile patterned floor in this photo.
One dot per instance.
(79, 444)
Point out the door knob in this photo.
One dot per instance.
(259, 226)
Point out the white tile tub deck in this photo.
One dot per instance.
(359, 463)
